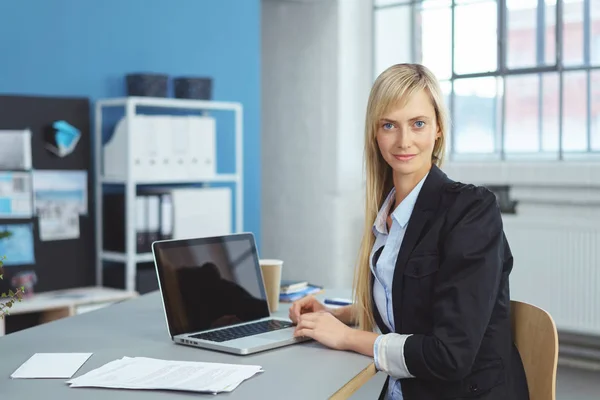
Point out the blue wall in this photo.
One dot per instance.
(85, 47)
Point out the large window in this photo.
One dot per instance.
(521, 77)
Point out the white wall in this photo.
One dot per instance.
(316, 78)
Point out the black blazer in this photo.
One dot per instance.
(451, 292)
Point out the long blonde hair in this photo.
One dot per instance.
(391, 89)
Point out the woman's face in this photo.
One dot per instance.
(406, 136)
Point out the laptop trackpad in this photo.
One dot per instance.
(263, 338)
(283, 334)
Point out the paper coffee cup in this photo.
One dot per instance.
(271, 272)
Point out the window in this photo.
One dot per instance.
(521, 77)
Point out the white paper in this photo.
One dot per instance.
(153, 374)
(58, 223)
(51, 365)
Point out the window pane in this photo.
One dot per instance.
(574, 127)
(595, 108)
(446, 87)
(435, 27)
(550, 109)
(392, 37)
(475, 115)
(573, 32)
(522, 33)
(521, 130)
(595, 32)
(475, 37)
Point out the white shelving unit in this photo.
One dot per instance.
(130, 257)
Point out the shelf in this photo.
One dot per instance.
(168, 103)
(122, 175)
(122, 257)
(218, 178)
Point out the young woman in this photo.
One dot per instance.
(432, 297)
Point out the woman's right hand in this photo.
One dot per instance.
(308, 304)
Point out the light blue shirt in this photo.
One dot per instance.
(382, 285)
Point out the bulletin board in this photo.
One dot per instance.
(58, 262)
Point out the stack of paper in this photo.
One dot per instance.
(149, 373)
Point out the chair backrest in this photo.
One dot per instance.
(536, 337)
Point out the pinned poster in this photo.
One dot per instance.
(60, 198)
(17, 246)
(15, 149)
(15, 195)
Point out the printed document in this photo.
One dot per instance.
(149, 373)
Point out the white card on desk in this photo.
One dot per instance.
(51, 365)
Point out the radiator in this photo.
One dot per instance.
(557, 268)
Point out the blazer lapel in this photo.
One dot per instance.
(423, 212)
(418, 221)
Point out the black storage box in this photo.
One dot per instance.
(193, 88)
(147, 85)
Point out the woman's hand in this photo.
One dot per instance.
(325, 328)
(305, 305)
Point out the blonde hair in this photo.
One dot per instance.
(393, 88)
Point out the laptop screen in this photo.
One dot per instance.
(210, 282)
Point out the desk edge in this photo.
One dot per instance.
(355, 383)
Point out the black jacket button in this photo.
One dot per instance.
(473, 388)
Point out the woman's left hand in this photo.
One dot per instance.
(325, 329)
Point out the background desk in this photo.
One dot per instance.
(137, 328)
(66, 303)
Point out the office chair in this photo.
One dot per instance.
(536, 337)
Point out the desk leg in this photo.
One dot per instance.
(355, 383)
(57, 313)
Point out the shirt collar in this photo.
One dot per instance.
(402, 213)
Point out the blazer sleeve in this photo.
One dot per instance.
(465, 292)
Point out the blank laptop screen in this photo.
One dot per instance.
(210, 283)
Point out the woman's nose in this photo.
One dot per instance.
(403, 139)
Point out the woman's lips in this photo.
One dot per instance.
(404, 157)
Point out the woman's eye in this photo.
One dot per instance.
(419, 124)
(388, 126)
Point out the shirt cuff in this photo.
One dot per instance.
(388, 354)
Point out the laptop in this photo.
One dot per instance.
(214, 297)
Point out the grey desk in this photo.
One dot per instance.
(137, 328)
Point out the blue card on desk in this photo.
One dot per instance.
(290, 297)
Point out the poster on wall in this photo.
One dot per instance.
(15, 149)
(60, 197)
(17, 248)
(15, 195)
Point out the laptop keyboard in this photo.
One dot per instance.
(236, 332)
